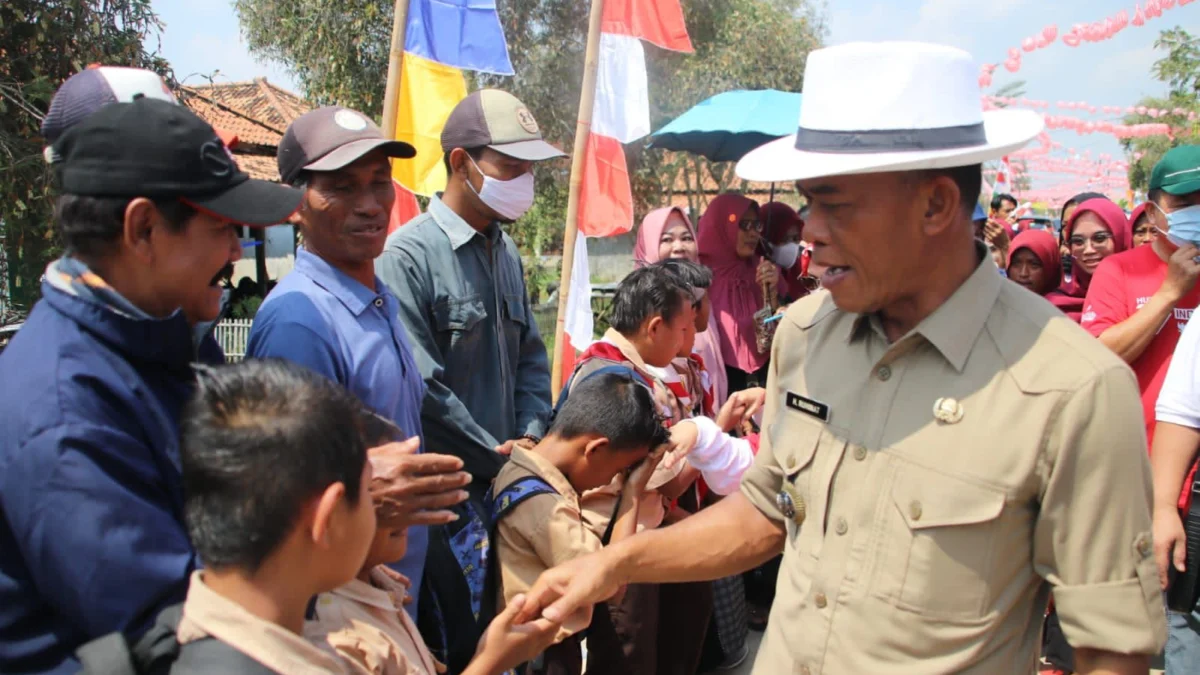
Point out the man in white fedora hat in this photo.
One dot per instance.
(941, 447)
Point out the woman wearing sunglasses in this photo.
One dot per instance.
(730, 234)
(1095, 230)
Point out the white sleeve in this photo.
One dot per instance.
(721, 458)
(1179, 400)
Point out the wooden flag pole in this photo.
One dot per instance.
(583, 129)
(395, 64)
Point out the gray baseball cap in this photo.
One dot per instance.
(327, 139)
(496, 119)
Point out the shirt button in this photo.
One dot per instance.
(914, 510)
(791, 464)
(860, 453)
(842, 527)
(1145, 547)
(379, 302)
(884, 373)
(821, 601)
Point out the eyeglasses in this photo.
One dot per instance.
(1097, 239)
(750, 225)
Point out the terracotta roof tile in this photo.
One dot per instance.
(257, 111)
(259, 166)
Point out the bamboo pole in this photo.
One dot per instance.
(583, 129)
(395, 64)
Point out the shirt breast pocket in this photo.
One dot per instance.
(457, 321)
(938, 542)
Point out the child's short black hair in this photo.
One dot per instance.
(259, 439)
(647, 292)
(616, 407)
(691, 274)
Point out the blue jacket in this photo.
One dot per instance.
(91, 502)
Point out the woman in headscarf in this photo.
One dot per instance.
(1143, 230)
(667, 233)
(1096, 229)
(730, 234)
(1068, 210)
(782, 228)
(1034, 261)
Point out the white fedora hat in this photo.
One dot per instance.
(889, 106)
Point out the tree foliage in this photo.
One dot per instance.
(42, 43)
(1180, 71)
(338, 51)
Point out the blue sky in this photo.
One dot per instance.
(201, 36)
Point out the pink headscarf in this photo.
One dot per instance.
(1069, 298)
(708, 344)
(649, 237)
(736, 295)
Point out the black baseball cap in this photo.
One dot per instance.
(152, 148)
(329, 138)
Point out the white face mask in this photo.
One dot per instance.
(511, 199)
(785, 255)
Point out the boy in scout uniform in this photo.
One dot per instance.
(941, 448)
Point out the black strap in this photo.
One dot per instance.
(1183, 592)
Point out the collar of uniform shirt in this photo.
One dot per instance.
(337, 283)
(458, 230)
(954, 327)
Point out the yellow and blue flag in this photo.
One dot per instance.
(444, 38)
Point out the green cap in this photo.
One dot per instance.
(1178, 172)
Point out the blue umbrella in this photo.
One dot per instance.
(727, 126)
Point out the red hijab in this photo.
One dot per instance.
(735, 293)
(649, 237)
(777, 219)
(1070, 296)
(1043, 245)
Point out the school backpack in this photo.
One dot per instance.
(158, 652)
(461, 583)
(458, 596)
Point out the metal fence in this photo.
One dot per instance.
(232, 335)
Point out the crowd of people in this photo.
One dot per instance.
(384, 485)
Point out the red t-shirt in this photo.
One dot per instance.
(1121, 286)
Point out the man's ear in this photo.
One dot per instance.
(458, 162)
(141, 219)
(323, 513)
(942, 202)
(654, 323)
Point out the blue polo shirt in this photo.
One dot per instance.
(320, 318)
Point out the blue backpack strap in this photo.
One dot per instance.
(514, 494)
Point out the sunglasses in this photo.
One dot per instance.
(1097, 239)
(750, 226)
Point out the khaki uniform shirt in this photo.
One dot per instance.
(541, 532)
(366, 625)
(205, 614)
(600, 504)
(926, 542)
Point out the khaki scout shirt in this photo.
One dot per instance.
(543, 531)
(205, 614)
(926, 543)
(367, 626)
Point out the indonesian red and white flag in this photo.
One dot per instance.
(621, 114)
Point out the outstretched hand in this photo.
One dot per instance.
(566, 594)
(415, 489)
(507, 643)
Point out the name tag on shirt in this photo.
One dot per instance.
(808, 406)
